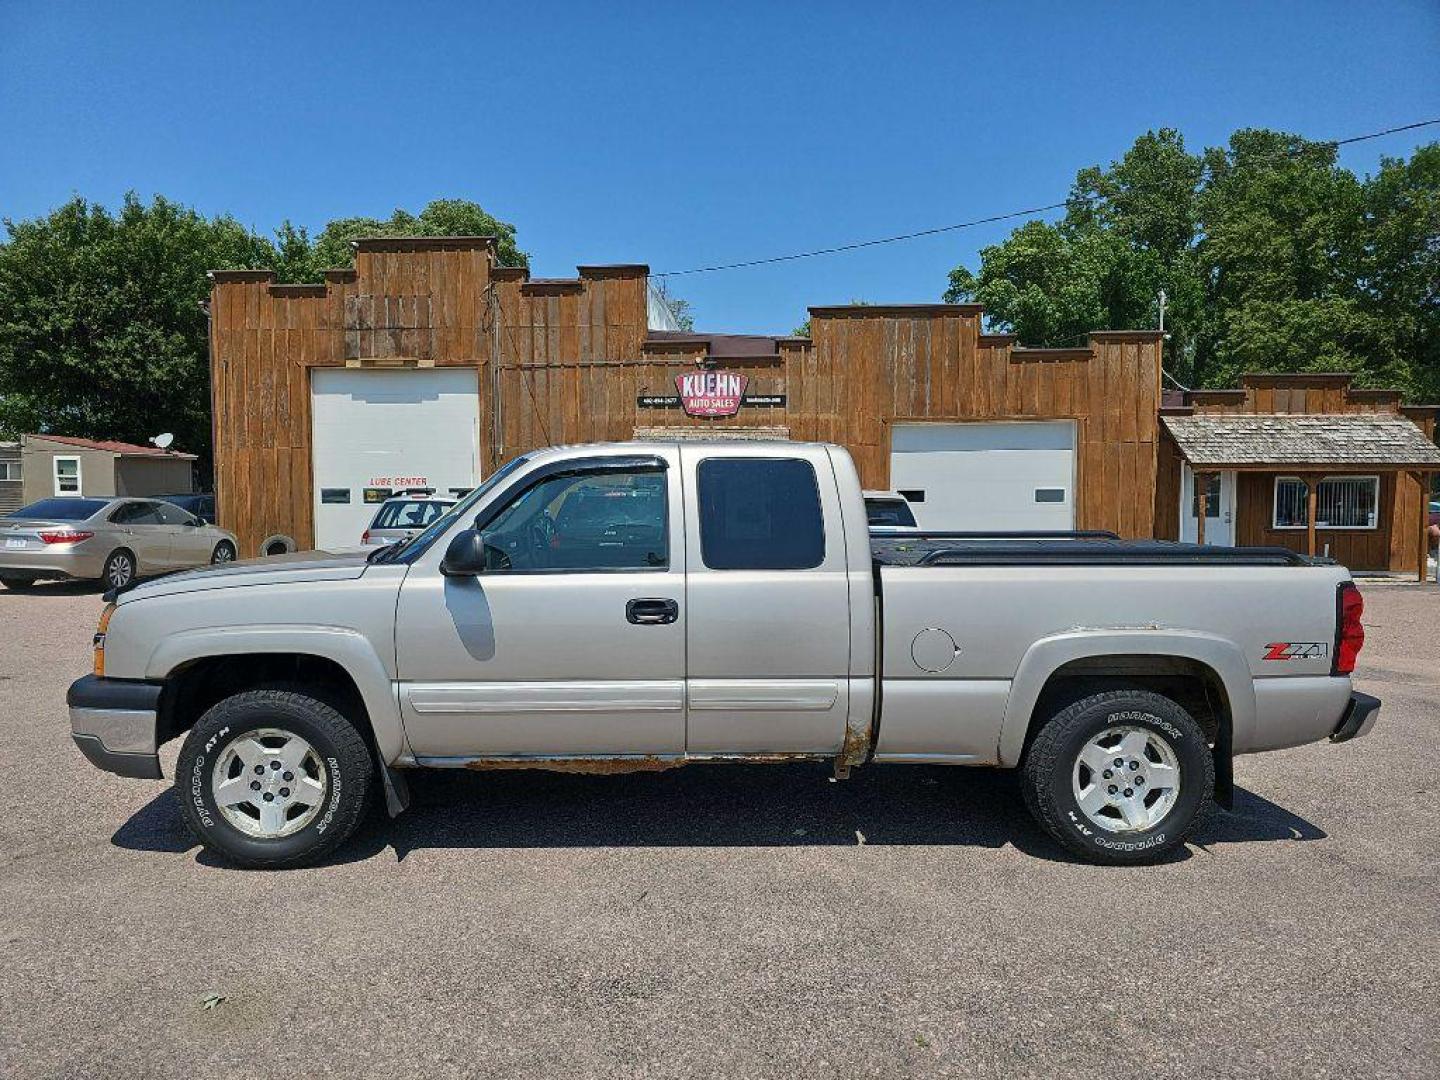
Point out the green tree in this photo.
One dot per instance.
(443, 217)
(101, 329)
(1272, 258)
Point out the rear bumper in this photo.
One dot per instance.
(37, 563)
(1360, 716)
(114, 722)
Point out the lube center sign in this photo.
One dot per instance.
(711, 393)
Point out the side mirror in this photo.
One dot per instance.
(465, 557)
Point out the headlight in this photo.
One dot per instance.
(99, 640)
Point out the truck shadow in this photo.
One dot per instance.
(734, 806)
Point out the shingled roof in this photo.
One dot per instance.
(1246, 440)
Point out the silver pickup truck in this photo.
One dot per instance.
(642, 606)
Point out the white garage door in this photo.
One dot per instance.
(1003, 476)
(375, 432)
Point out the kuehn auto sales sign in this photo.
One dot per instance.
(711, 393)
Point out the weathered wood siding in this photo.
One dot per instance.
(566, 360)
(869, 367)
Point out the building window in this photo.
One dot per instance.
(1341, 502)
(1212, 497)
(9, 470)
(67, 476)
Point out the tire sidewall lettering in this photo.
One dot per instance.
(336, 786)
(197, 778)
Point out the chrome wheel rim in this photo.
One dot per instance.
(223, 554)
(119, 572)
(269, 783)
(1126, 779)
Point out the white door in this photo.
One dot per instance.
(1219, 508)
(377, 432)
(1001, 476)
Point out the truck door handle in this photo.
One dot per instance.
(652, 612)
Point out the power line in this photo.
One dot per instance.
(857, 245)
(866, 243)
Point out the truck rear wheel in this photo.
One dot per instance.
(273, 778)
(1120, 777)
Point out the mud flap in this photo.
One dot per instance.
(1224, 771)
(397, 790)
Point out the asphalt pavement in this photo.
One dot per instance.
(758, 921)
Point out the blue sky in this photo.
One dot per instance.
(679, 135)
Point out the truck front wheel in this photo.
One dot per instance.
(273, 778)
(1120, 777)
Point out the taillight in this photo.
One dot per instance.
(65, 536)
(1349, 634)
(365, 537)
(99, 641)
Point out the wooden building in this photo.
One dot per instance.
(428, 365)
(1304, 461)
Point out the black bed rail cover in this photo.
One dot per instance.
(1086, 552)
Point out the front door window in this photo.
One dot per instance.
(1219, 490)
(1211, 488)
(580, 522)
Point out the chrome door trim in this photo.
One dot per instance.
(769, 695)
(546, 697)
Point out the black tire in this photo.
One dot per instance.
(349, 767)
(18, 584)
(224, 552)
(119, 570)
(1050, 769)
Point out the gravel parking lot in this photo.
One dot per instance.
(758, 921)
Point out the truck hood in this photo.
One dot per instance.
(274, 570)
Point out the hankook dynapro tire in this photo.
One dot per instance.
(1120, 777)
(273, 778)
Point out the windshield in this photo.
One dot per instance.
(408, 514)
(62, 509)
(420, 541)
(889, 512)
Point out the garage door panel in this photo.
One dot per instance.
(1002, 476)
(396, 429)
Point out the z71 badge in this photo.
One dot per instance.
(1296, 650)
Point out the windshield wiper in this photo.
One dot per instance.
(375, 556)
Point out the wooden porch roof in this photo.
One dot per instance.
(1343, 441)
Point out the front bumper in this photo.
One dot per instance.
(115, 724)
(1359, 718)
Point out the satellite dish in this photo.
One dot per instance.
(163, 441)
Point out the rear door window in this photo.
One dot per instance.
(760, 514)
(137, 513)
